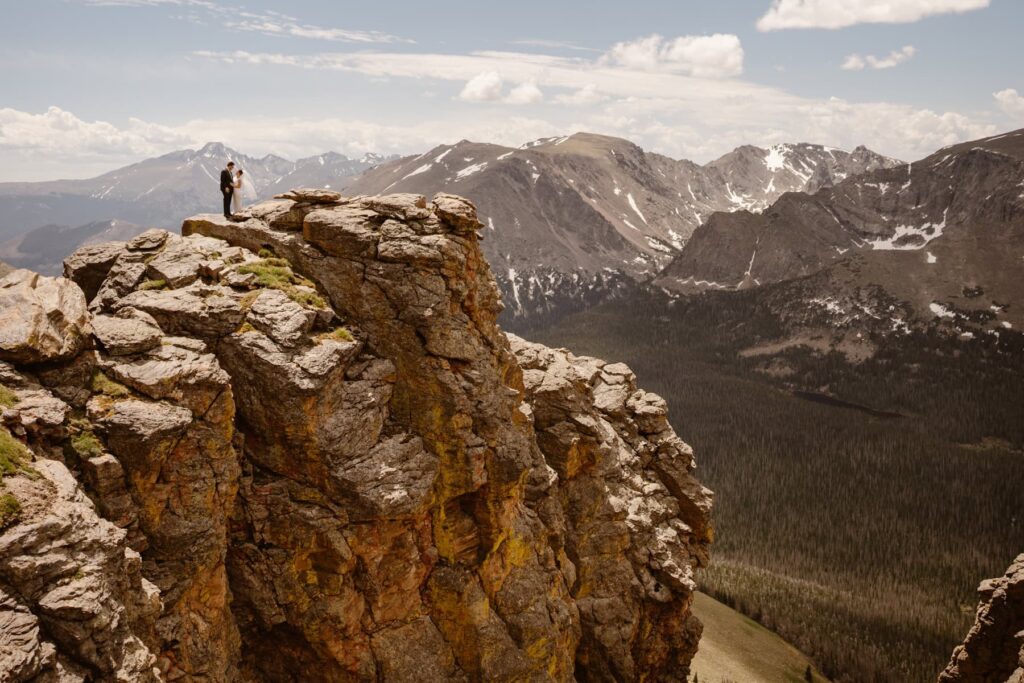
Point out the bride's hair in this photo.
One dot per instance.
(240, 172)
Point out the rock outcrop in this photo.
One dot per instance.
(319, 458)
(993, 651)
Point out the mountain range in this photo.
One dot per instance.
(159, 192)
(944, 235)
(571, 219)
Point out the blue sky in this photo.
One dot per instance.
(88, 85)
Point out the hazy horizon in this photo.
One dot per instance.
(92, 85)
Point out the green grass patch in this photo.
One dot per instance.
(7, 397)
(10, 508)
(337, 334)
(85, 445)
(246, 327)
(277, 273)
(14, 457)
(101, 384)
(153, 284)
(266, 253)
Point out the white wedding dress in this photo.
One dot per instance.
(243, 191)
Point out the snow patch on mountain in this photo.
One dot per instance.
(909, 237)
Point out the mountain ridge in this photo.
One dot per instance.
(582, 216)
(941, 233)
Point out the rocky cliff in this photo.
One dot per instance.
(993, 651)
(298, 447)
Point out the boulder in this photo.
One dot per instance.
(88, 266)
(283, 320)
(128, 331)
(41, 318)
(458, 212)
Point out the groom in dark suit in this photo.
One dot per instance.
(227, 187)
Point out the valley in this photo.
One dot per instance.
(859, 538)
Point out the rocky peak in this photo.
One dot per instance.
(306, 446)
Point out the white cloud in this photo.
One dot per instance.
(525, 93)
(638, 91)
(486, 86)
(587, 95)
(856, 62)
(1010, 101)
(853, 62)
(666, 111)
(271, 23)
(58, 132)
(832, 14)
(715, 56)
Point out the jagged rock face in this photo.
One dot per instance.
(993, 651)
(73, 603)
(335, 467)
(626, 509)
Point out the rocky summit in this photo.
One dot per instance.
(297, 447)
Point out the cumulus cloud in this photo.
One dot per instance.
(1010, 101)
(488, 86)
(715, 56)
(525, 93)
(59, 132)
(856, 62)
(784, 14)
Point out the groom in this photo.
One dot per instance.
(227, 187)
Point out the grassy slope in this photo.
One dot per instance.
(736, 648)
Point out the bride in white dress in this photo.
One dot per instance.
(243, 190)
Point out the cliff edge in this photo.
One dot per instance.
(298, 447)
(993, 651)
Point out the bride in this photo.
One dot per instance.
(243, 190)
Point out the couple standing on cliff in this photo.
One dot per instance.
(232, 184)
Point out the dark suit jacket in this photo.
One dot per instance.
(226, 181)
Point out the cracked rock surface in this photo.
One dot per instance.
(299, 448)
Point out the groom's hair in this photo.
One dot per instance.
(230, 164)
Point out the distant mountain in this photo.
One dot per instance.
(573, 219)
(944, 234)
(164, 190)
(44, 248)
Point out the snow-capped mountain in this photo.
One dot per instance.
(575, 218)
(945, 235)
(164, 190)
